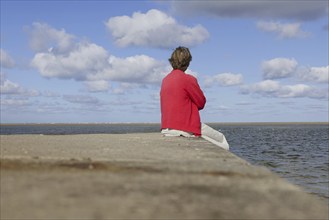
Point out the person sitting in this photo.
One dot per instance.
(181, 99)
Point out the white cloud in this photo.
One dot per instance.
(279, 68)
(264, 87)
(44, 37)
(291, 30)
(314, 74)
(299, 90)
(265, 9)
(97, 86)
(134, 69)
(224, 79)
(84, 61)
(90, 62)
(283, 67)
(154, 29)
(270, 88)
(8, 87)
(5, 60)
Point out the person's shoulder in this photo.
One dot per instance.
(169, 75)
(190, 77)
(179, 74)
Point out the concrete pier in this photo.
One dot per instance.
(144, 176)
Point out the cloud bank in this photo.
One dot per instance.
(288, 30)
(270, 88)
(85, 61)
(66, 57)
(265, 9)
(314, 74)
(279, 68)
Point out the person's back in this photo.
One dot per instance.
(181, 96)
(181, 99)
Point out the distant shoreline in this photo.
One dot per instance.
(155, 123)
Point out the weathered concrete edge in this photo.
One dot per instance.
(94, 163)
(148, 166)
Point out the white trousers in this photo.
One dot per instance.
(207, 133)
(214, 136)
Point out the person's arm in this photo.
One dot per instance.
(196, 93)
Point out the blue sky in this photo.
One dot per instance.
(103, 61)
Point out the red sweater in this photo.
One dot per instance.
(181, 99)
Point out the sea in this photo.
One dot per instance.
(297, 152)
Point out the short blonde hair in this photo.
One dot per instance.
(180, 58)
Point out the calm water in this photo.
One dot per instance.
(296, 152)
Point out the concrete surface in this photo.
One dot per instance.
(145, 176)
